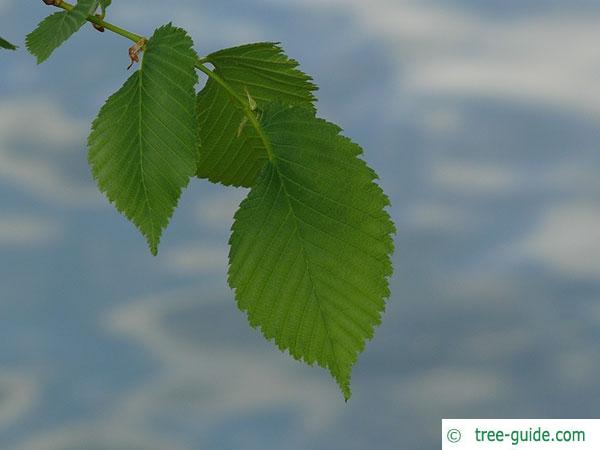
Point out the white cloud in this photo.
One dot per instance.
(468, 286)
(45, 180)
(575, 177)
(18, 395)
(438, 216)
(547, 60)
(48, 132)
(451, 388)
(100, 436)
(541, 60)
(27, 230)
(444, 121)
(40, 122)
(566, 239)
(208, 383)
(473, 178)
(577, 367)
(491, 346)
(197, 257)
(217, 211)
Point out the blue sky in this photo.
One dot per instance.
(482, 120)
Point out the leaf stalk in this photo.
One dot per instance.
(102, 23)
(200, 65)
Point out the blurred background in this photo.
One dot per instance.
(482, 119)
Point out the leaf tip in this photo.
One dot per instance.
(345, 388)
(152, 237)
(342, 378)
(347, 394)
(153, 245)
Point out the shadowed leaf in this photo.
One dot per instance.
(231, 151)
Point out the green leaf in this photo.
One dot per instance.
(104, 4)
(142, 149)
(55, 29)
(7, 45)
(311, 244)
(231, 150)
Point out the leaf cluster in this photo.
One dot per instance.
(311, 244)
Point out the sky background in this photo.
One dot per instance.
(481, 119)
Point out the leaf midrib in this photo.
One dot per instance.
(245, 108)
(305, 258)
(153, 244)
